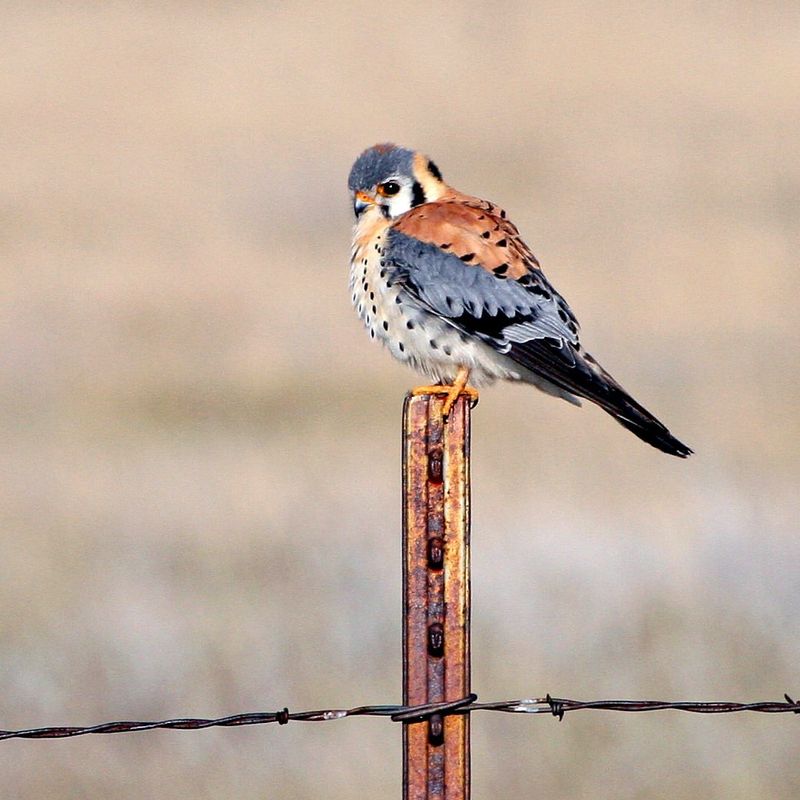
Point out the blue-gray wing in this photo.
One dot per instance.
(503, 312)
(464, 261)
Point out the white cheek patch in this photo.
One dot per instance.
(401, 202)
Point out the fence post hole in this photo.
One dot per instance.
(436, 602)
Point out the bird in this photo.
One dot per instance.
(447, 283)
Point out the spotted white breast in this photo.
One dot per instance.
(413, 335)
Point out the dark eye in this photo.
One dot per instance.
(389, 188)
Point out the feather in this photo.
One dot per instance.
(461, 259)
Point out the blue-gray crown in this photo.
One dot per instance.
(379, 163)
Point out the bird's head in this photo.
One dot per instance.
(392, 180)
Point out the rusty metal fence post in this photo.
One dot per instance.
(436, 601)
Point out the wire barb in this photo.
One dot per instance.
(557, 706)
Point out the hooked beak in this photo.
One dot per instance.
(360, 201)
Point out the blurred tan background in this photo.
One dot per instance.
(200, 501)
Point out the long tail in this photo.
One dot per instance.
(640, 421)
(574, 370)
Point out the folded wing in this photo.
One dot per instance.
(464, 261)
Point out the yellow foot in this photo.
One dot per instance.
(459, 387)
(452, 393)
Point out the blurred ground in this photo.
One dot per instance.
(200, 502)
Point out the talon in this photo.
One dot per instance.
(458, 387)
(453, 395)
(439, 388)
(449, 401)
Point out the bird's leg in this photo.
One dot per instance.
(459, 386)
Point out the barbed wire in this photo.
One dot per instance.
(556, 706)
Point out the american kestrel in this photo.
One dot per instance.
(447, 283)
